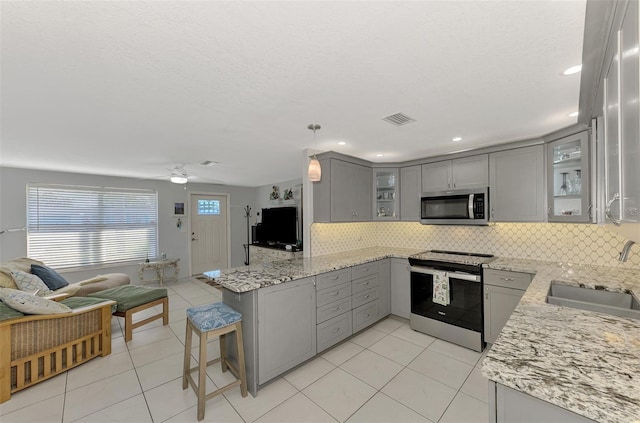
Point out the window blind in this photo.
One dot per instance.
(71, 226)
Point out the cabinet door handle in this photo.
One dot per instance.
(589, 211)
(486, 294)
(448, 182)
(607, 210)
(549, 211)
(492, 213)
(508, 279)
(454, 182)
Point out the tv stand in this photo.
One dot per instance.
(260, 253)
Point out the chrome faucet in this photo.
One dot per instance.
(624, 254)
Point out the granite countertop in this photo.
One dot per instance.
(255, 276)
(585, 362)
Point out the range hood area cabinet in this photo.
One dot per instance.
(516, 185)
(344, 192)
(622, 125)
(568, 179)
(464, 173)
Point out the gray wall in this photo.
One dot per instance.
(172, 241)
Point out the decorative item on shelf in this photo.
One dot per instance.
(288, 194)
(314, 171)
(576, 183)
(275, 193)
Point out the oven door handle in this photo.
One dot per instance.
(455, 275)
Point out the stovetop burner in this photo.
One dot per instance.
(434, 257)
(460, 253)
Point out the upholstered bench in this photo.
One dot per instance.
(132, 299)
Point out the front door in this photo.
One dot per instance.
(209, 233)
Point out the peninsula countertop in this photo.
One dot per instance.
(260, 275)
(582, 361)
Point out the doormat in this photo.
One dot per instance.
(209, 281)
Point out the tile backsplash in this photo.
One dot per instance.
(561, 242)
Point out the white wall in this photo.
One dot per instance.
(172, 241)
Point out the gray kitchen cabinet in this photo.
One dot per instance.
(516, 185)
(400, 287)
(410, 188)
(464, 173)
(286, 327)
(508, 405)
(384, 288)
(502, 293)
(568, 177)
(622, 127)
(344, 192)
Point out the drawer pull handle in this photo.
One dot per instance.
(366, 269)
(507, 279)
(335, 278)
(336, 330)
(336, 308)
(333, 294)
(366, 315)
(365, 283)
(365, 297)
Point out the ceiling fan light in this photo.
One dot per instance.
(178, 178)
(315, 171)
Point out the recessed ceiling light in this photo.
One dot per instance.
(574, 114)
(378, 155)
(456, 139)
(572, 70)
(341, 143)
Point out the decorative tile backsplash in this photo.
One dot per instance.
(560, 242)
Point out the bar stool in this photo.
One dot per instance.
(217, 319)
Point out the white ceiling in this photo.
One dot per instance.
(133, 88)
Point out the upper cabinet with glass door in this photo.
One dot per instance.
(568, 178)
(386, 194)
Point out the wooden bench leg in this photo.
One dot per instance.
(128, 325)
(165, 311)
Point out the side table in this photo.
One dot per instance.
(159, 266)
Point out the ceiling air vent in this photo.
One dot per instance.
(399, 119)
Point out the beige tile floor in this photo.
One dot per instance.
(388, 373)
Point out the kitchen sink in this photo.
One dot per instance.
(615, 303)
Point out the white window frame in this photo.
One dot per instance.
(89, 227)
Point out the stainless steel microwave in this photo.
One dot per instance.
(457, 207)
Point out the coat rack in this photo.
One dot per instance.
(247, 215)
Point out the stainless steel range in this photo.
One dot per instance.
(446, 296)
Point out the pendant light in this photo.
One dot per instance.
(315, 171)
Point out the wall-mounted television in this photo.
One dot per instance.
(279, 225)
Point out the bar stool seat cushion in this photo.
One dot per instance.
(213, 316)
(130, 296)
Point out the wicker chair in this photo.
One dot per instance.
(34, 348)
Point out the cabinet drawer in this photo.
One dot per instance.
(362, 284)
(329, 279)
(332, 310)
(364, 297)
(363, 270)
(507, 279)
(333, 331)
(365, 315)
(333, 294)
